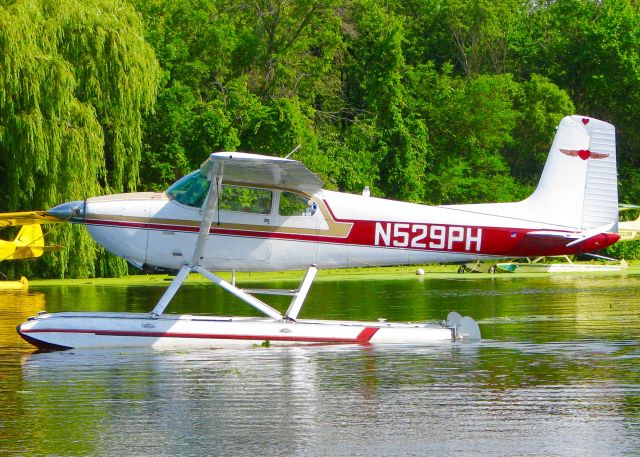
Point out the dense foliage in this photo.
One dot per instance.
(75, 80)
(431, 101)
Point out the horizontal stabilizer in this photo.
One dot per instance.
(52, 247)
(575, 238)
(591, 233)
(550, 234)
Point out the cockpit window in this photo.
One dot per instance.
(245, 199)
(192, 191)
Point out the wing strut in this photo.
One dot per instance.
(215, 174)
(215, 180)
(210, 206)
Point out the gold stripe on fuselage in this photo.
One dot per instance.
(335, 229)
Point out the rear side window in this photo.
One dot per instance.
(292, 204)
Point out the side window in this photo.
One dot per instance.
(296, 205)
(245, 199)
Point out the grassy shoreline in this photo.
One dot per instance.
(360, 273)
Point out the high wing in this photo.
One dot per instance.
(27, 218)
(263, 170)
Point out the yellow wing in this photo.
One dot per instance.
(27, 218)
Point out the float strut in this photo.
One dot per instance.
(171, 290)
(301, 294)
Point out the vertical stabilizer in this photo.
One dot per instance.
(579, 183)
(29, 243)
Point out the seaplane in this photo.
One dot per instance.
(249, 212)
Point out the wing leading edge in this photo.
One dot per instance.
(27, 218)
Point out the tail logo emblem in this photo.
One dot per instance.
(584, 154)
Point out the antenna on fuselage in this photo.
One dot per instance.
(294, 150)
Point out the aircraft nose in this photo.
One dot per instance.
(69, 211)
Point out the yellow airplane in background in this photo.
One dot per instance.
(629, 230)
(28, 244)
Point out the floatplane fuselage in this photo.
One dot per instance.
(251, 212)
(330, 230)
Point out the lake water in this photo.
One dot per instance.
(556, 374)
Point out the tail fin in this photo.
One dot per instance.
(30, 235)
(29, 243)
(579, 183)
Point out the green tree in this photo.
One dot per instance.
(590, 49)
(471, 122)
(256, 76)
(472, 35)
(194, 42)
(75, 79)
(541, 105)
(377, 84)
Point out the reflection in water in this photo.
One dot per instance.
(336, 400)
(15, 307)
(558, 373)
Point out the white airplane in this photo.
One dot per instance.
(251, 212)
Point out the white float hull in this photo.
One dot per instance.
(92, 330)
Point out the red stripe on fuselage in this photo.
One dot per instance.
(424, 237)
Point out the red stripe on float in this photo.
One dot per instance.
(363, 337)
(366, 334)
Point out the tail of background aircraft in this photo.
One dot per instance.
(579, 183)
(28, 243)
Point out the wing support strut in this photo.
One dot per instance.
(215, 180)
(299, 295)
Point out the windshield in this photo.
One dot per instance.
(190, 190)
